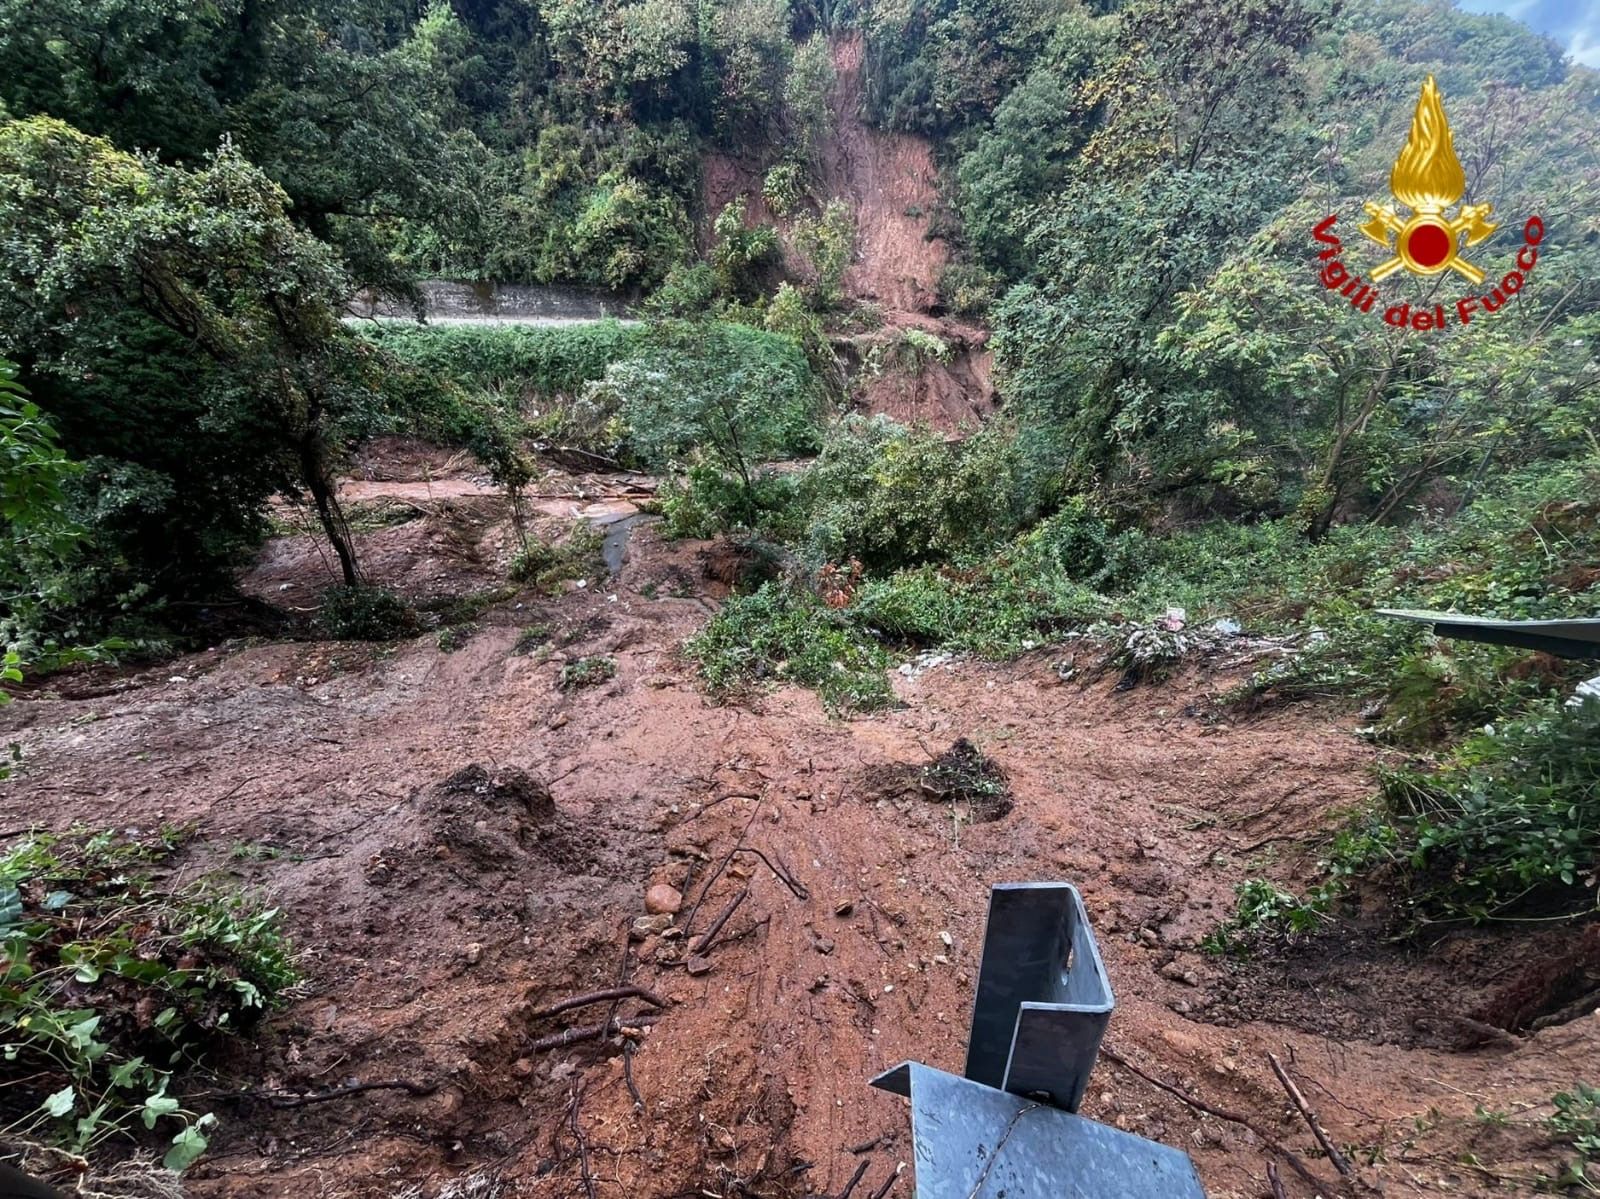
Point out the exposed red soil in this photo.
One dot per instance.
(954, 396)
(891, 184)
(439, 911)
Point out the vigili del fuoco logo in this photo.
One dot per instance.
(1428, 180)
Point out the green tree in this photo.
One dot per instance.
(211, 259)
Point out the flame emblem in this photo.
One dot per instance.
(1427, 178)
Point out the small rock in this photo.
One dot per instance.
(559, 720)
(663, 900)
(946, 938)
(472, 953)
(522, 1068)
(698, 964)
(722, 1142)
(844, 908)
(650, 926)
(1177, 974)
(822, 945)
(1182, 1007)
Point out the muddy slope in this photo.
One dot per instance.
(891, 184)
(461, 844)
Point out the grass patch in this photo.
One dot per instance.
(547, 567)
(588, 672)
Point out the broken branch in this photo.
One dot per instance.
(1310, 1117)
(415, 1089)
(1274, 1181)
(796, 887)
(626, 992)
(1200, 1105)
(716, 925)
(855, 1178)
(579, 1139)
(589, 1032)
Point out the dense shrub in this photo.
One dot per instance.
(1509, 821)
(892, 496)
(785, 633)
(729, 394)
(529, 360)
(364, 613)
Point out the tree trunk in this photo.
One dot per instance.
(329, 513)
(1330, 484)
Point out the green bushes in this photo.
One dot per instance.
(526, 360)
(730, 395)
(109, 982)
(786, 633)
(364, 613)
(549, 566)
(1508, 822)
(891, 496)
(1265, 917)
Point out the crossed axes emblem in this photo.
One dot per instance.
(1428, 243)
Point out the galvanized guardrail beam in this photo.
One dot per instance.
(1008, 1129)
(1043, 1000)
(1563, 638)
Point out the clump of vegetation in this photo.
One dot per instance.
(587, 672)
(110, 984)
(1576, 1123)
(892, 496)
(549, 566)
(725, 396)
(1148, 652)
(1266, 916)
(827, 243)
(1508, 821)
(781, 632)
(364, 613)
(531, 639)
(964, 774)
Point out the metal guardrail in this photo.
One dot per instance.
(1563, 638)
(1008, 1128)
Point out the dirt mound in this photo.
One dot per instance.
(487, 819)
(964, 775)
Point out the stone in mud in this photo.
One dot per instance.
(650, 926)
(663, 900)
(698, 965)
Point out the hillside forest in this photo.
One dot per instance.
(941, 443)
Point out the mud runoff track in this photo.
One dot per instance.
(440, 909)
